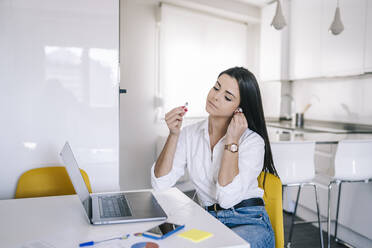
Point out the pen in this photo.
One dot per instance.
(89, 243)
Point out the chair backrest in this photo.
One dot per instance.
(47, 181)
(353, 160)
(273, 204)
(294, 161)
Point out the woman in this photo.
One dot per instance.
(224, 156)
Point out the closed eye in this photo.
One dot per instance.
(228, 99)
(217, 86)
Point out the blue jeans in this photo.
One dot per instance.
(250, 223)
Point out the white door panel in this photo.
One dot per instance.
(58, 79)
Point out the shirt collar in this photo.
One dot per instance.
(204, 130)
(204, 125)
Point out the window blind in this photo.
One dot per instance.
(194, 48)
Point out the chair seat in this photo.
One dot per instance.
(353, 160)
(294, 161)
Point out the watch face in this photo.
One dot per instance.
(234, 148)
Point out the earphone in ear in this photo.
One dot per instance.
(238, 110)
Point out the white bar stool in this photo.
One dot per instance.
(294, 162)
(353, 163)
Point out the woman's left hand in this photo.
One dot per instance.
(236, 128)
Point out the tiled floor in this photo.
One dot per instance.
(305, 235)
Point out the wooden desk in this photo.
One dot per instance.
(61, 222)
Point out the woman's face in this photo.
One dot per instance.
(224, 97)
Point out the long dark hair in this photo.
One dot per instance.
(251, 103)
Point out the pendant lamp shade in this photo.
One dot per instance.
(336, 27)
(278, 20)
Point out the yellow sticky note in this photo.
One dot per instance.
(195, 235)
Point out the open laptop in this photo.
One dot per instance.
(110, 208)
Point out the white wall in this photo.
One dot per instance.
(58, 82)
(342, 99)
(271, 98)
(138, 126)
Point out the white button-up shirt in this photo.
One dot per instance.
(193, 153)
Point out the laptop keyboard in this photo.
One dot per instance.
(114, 206)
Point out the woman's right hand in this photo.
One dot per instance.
(174, 119)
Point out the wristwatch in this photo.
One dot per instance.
(232, 147)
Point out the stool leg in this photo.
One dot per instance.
(329, 214)
(319, 223)
(293, 217)
(337, 209)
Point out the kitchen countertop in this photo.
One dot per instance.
(318, 137)
(322, 126)
(321, 132)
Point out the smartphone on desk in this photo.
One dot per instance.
(163, 230)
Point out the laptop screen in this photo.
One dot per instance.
(76, 177)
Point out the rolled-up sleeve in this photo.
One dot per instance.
(244, 185)
(178, 167)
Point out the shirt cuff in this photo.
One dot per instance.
(160, 183)
(230, 194)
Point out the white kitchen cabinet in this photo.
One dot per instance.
(343, 54)
(368, 39)
(315, 52)
(274, 47)
(305, 42)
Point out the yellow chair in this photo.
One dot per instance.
(47, 181)
(273, 204)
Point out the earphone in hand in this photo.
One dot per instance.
(185, 106)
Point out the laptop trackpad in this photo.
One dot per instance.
(144, 204)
